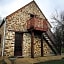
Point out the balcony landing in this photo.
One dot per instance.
(38, 24)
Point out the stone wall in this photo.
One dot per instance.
(9, 43)
(26, 45)
(18, 22)
(37, 46)
(2, 36)
(46, 49)
(2, 33)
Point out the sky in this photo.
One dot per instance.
(48, 7)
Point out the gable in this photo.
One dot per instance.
(32, 5)
(18, 20)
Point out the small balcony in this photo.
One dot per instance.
(37, 24)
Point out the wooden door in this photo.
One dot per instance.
(18, 44)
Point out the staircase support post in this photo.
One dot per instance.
(32, 44)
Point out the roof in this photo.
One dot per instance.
(24, 7)
(3, 21)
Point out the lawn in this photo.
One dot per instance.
(52, 62)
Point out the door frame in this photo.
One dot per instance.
(21, 43)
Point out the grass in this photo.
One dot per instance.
(62, 50)
(52, 62)
(40, 60)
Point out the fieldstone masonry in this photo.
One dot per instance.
(26, 44)
(37, 46)
(2, 36)
(17, 21)
(46, 49)
(9, 43)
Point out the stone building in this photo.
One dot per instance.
(26, 32)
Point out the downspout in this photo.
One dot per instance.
(4, 37)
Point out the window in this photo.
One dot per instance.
(31, 15)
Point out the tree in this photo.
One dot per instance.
(59, 27)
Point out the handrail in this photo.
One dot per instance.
(51, 35)
(37, 24)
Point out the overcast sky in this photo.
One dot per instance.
(47, 6)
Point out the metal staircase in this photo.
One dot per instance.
(49, 38)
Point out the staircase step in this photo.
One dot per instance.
(43, 33)
(49, 41)
(46, 37)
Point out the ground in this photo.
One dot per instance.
(38, 60)
(61, 61)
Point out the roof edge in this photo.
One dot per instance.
(19, 9)
(3, 21)
(42, 13)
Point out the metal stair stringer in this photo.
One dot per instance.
(52, 37)
(50, 46)
(50, 43)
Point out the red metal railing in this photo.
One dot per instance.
(37, 24)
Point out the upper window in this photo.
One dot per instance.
(31, 15)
